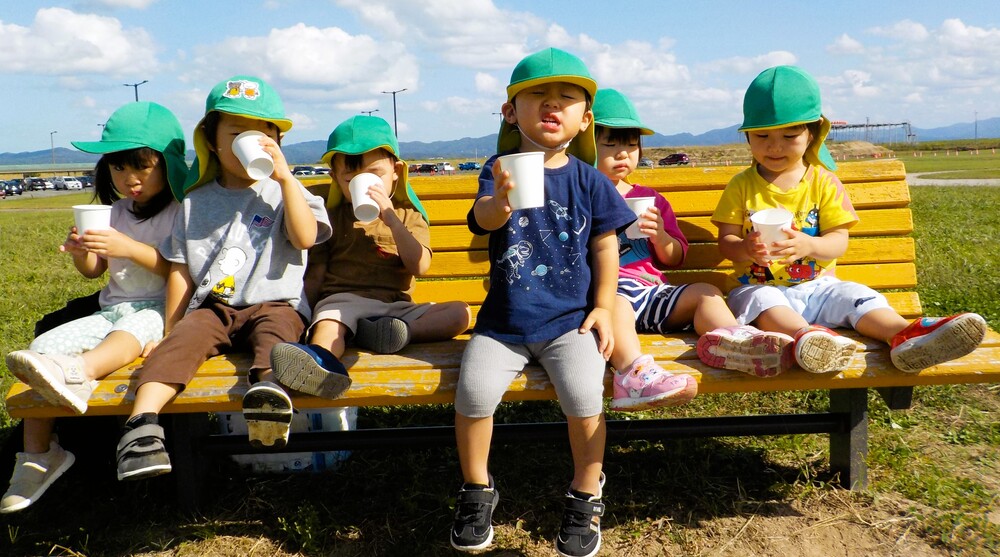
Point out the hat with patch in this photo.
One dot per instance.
(549, 66)
(241, 95)
(613, 110)
(785, 96)
(144, 124)
(358, 135)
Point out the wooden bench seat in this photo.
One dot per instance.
(881, 254)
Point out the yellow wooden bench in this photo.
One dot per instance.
(881, 254)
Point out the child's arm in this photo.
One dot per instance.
(416, 258)
(315, 272)
(112, 243)
(89, 264)
(667, 250)
(493, 211)
(734, 247)
(831, 244)
(604, 257)
(300, 222)
(180, 288)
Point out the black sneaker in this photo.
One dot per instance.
(473, 528)
(580, 533)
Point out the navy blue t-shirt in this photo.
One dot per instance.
(540, 276)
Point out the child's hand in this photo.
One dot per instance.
(381, 198)
(502, 184)
(599, 319)
(281, 170)
(107, 243)
(756, 249)
(72, 244)
(797, 246)
(650, 223)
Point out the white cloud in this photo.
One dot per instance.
(751, 65)
(844, 44)
(62, 42)
(905, 30)
(487, 83)
(311, 64)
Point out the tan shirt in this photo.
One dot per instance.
(363, 258)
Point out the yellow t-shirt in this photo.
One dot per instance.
(819, 202)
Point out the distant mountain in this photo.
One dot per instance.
(309, 152)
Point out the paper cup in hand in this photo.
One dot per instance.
(639, 205)
(527, 171)
(92, 217)
(365, 210)
(253, 157)
(769, 223)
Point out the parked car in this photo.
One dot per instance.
(86, 181)
(35, 184)
(470, 165)
(427, 168)
(645, 162)
(675, 159)
(67, 183)
(320, 171)
(12, 187)
(445, 167)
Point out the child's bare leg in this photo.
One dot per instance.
(881, 324)
(151, 397)
(473, 437)
(627, 346)
(587, 437)
(782, 319)
(38, 434)
(331, 335)
(702, 305)
(117, 350)
(441, 322)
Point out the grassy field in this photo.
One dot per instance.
(935, 486)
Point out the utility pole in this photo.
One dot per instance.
(395, 129)
(976, 118)
(52, 146)
(135, 86)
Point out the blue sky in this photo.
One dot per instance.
(684, 64)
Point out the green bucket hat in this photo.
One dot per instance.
(144, 124)
(241, 95)
(785, 96)
(613, 110)
(547, 66)
(358, 135)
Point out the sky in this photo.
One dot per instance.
(66, 66)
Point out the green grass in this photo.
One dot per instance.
(954, 166)
(937, 463)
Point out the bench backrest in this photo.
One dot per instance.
(881, 252)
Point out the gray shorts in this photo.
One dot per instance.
(348, 308)
(572, 361)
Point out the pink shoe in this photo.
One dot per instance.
(820, 350)
(647, 385)
(930, 341)
(747, 349)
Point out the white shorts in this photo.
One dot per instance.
(826, 301)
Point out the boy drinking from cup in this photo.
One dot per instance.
(238, 255)
(364, 275)
(789, 286)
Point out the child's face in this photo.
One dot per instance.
(231, 171)
(550, 114)
(616, 158)
(140, 184)
(780, 150)
(376, 162)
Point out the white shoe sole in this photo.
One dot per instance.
(26, 366)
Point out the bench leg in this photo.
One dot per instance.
(849, 447)
(187, 431)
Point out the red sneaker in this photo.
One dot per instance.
(820, 350)
(746, 349)
(929, 341)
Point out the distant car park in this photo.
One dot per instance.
(675, 159)
(67, 183)
(470, 165)
(36, 184)
(13, 187)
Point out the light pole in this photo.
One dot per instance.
(135, 86)
(52, 146)
(976, 118)
(395, 129)
(369, 112)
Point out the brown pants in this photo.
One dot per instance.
(216, 328)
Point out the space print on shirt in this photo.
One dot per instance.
(552, 226)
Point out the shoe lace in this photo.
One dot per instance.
(470, 512)
(575, 523)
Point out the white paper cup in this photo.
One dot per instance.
(253, 157)
(527, 171)
(365, 210)
(769, 223)
(92, 217)
(639, 205)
